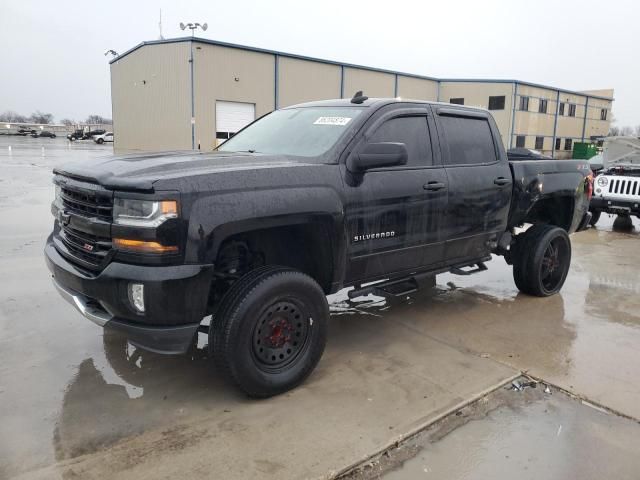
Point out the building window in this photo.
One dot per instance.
(561, 109)
(567, 143)
(572, 109)
(520, 141)
(457, 101)
(524, 104)
(603, 114)
(542, 106)
(496, 103)
(539, 143)
(558, 140)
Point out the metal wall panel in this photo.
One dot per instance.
(304, 81)
(417, 88)
(232, 75)
(150, 95)
(373, 84)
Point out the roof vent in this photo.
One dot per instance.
(359, 97)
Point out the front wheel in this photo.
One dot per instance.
(270, 330)
(542, 257)
(100, 141)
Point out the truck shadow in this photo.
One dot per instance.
(139, 391)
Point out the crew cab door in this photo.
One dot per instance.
(394, 214)
(479, 180)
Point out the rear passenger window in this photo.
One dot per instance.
(413, 132)
(468, 140)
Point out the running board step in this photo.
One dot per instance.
(479, 267)
(395, 288)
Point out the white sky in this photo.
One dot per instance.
(52, 51)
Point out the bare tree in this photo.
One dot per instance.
(40, 117)
(614, 131)
(68, 122)
(98, 120)
(626, 131)
(638, 131)
(11, 116)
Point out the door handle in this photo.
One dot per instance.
(433, 186)
(502, 181)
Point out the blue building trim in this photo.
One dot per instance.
(584, 123)
(555, 125)
(276, 73)
(513, 114)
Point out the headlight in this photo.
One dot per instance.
(602, 181)
(143, 213)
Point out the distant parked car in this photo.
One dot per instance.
(106, 137)
(85, 134)
(23, 132)
(43, 133)
(525, 154)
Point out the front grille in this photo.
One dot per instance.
(86, 237)
(86, 247)
(622, 186)
(87, 203)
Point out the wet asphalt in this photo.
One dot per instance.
(75, 403)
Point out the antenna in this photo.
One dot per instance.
(160, 25)
(359, 97)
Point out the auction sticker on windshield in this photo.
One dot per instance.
(341, 121)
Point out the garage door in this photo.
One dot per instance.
(232, 117)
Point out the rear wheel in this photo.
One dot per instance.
(595, 216)
(100, 141)
(269, 330)
(542, 260)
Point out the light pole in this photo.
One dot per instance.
(193, 27)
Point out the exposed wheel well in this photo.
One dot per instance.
(305, 247)
(555, 211)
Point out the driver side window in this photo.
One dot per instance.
(413, 132)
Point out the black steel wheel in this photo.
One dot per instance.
(542, 260)
(269, 330)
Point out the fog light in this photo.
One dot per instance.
(136, 296)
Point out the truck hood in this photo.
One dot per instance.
(140, 172)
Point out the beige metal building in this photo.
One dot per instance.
(193, 93)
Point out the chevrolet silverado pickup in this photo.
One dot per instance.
(375, 194)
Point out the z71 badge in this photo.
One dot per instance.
(373, 236)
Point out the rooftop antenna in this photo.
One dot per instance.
(359, 97)
(160, 25)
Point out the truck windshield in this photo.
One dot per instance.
(305, 132)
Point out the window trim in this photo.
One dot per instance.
(524, 141)
(561, 109)
(572, 110)
(461, 113)
(570, 140)
(456, 98)
(558, 144)
(604, 112)
(541, 138)
(524, 99)
(390, 115)
(504, 102)
(541, 102)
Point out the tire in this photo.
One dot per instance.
(293, 310)
(595, 216)
(623, 223)
(542, 258)
(100, 141)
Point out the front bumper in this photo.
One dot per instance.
(614, 206)
(175, 299)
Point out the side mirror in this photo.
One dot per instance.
(378, 155)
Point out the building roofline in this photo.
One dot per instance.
(347, 65)
(521, 82)
(271, 52)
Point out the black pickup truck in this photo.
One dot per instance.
(303, 202)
